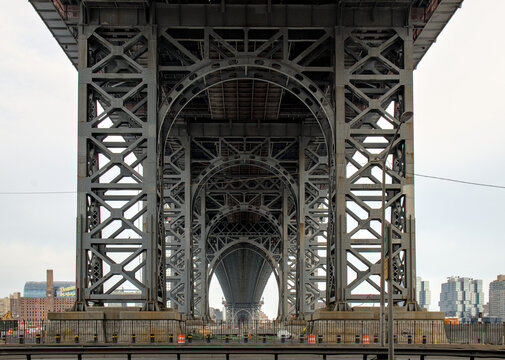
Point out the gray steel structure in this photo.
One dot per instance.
(242, 138)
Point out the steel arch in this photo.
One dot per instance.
(260, 210)
(187, 88)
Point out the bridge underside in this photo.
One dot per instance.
(241, 140)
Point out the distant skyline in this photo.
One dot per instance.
(458, 121)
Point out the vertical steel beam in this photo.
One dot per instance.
(283, 298)
(156, 281)
(407, 133)
(188, 307)
(202, 284)
(300, 273)
(82, 155)
(340, 268)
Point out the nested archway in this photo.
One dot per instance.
(299, 87)
(244, 289)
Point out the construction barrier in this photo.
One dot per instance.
(181, 339)
(366, 339)
(312, 338)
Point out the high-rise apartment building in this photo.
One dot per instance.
(423, 293)
(497, 297)
(462, 297)
(5, 305)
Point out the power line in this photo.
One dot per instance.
(265, 177)
(459, 181)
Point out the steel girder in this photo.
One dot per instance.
(118, 242)
(373, 88)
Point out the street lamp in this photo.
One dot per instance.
(406, 116)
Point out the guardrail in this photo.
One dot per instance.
(235, 351)
(258, 332)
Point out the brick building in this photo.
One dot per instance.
(35, 308)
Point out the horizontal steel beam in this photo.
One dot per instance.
(465, 351)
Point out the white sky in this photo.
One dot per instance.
(459, 126)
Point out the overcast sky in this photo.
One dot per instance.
(459, 126)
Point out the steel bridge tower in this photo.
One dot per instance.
(241, 139)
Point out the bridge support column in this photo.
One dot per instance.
(188, 306)
(117, 167)
(337, 252)
(177, 215)
(409, 239)
(283, 293)
(200, 294)
(373, 88)
(300, 263)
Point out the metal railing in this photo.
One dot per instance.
(257, 332)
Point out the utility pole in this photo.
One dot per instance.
(382, 318)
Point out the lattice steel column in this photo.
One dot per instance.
(377, 78)
(338, 281)
(176, 197)
(118, 240)
(301, 268)
(200, 289)
(316, 211)
(283, 289)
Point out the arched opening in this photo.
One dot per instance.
(278, 73)
(225, 159)
(243, 269)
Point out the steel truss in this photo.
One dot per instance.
(373, 88)
(119, 242)
(144, 185)
(243, 314)
(273, 196)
